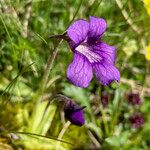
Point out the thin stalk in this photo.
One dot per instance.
(62, 132)
(127, 18)
(94, 140)
(48, 68)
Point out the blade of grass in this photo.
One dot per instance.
(7, 32)
(43, 136)
(14, 81)
(62, 132)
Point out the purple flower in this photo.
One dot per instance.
(136, 120)
(90, 53)
(74, 113)
(134, 98)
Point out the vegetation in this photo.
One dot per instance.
(33, 64)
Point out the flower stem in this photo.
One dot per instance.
(62, 132)
(48, 68)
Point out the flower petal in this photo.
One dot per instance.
(106, 73)
(97, 27)
(77, 118)
(106, 52)
(79, 71)
(78, 31)
(74, 113)
(88, 53)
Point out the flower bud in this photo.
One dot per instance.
(74, 113)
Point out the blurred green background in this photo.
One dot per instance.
(25, 47)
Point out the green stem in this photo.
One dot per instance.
(61, 134)
(103, 114)
(48, 68)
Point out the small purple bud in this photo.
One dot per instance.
(134, 99)
(74, 113)
(136, 120)
(104, 99)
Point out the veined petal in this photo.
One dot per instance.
(79, 71)
(72, 45)
(106, 52)
(78, 31)
(97, 27)
(106, 73)
(88, 53)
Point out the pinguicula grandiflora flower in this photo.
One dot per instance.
(90, 53)
(137, 120)
(74, 113)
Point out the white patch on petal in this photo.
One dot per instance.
(90, 55)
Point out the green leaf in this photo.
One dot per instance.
(118, 140)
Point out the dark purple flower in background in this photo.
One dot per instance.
(137, 120)
(104, 99)
(134, 98)
(90, 53)
(74, 113)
